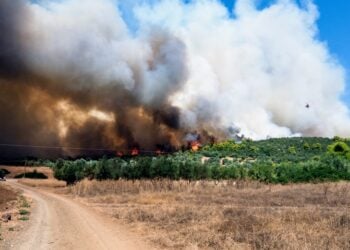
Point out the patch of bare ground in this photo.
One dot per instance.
(228, 214)
(14, 213)
(6, 195)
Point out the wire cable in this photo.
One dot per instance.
(69, 148)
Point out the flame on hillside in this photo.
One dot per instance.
(135, 152)
(195, 146)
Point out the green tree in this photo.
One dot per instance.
(338, 148)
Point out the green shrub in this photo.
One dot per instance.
(263, 171)
(5, 171)
(23, 212)
(339, 148)
(2, 173)
(32, 175)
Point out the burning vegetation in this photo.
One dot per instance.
(77, 87)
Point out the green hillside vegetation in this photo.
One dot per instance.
(285, 160)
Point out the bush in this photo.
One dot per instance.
(5, 171)
(339, 148)
(32, 175)
(263, 171)
(2, 174)
(23, 212)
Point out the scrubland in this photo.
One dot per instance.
(226, 214)
(50, 183)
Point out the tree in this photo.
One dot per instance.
(338, 148)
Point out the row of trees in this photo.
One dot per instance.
(328, 167)
(275, 161)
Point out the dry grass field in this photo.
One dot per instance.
(227, 215)
(50, 183)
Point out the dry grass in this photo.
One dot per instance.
(20, 170)
(50, 183)
(227, 215)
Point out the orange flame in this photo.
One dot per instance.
(195, 146)
(135, 152)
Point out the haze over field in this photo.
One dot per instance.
(77, 75)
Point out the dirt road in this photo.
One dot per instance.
(57, 222)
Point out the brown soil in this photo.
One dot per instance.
(6, 195)
(11, 202)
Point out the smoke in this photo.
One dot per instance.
(105, 74)
(11, 12)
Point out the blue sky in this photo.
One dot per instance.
(334, 29)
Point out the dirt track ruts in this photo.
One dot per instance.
(58, 222)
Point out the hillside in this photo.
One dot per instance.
(276, 150)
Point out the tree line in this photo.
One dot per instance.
(284, 160)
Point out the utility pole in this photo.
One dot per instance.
(25, 169)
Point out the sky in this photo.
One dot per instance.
(334, 30)
(333, 24)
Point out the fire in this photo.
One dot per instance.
(195, 146)
(135, 152)
(159, 152)
(120, 154)
(102, 116)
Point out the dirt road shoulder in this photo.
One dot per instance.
(57, 222)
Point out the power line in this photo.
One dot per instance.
(54, 147)
(69, 148)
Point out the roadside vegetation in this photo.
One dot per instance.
(14, 208)
(285, 160)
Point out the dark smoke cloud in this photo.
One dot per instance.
(12, 14)
(24, 120)
(72, 74)
(46, 99)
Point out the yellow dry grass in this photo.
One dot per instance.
(49, 183)
(227, 215)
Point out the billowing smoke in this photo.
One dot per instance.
(77, 74)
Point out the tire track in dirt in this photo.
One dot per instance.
(60, 223)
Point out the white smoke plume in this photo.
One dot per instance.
(257, 71)
(262, 72)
